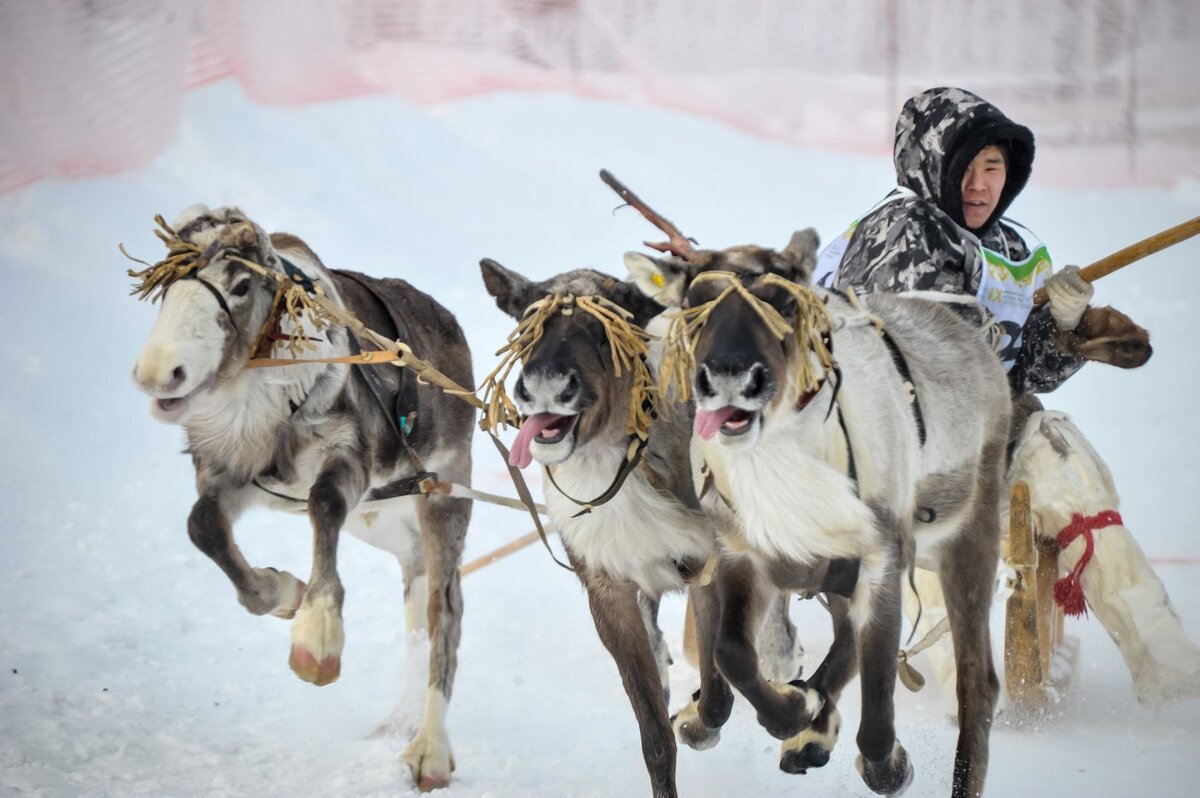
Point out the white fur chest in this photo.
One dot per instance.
(789, 503)
(638, 536)
(240, 426)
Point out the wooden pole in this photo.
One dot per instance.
(500, 553)
(1123, 257)
(1022, 655)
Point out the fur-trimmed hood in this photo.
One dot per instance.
(940, 130)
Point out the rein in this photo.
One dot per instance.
(634, 456)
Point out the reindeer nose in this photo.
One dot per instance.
(571, 390)
(756, 381)
(704, 386)
(521, 391)
(152, 379)
(749, 383)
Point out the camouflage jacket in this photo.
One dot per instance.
(919, 243)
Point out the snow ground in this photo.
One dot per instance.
(127, 668)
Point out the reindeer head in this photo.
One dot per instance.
(218, 293)
(582, 347)
(751, 334)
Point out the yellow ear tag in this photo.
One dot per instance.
(657, 279)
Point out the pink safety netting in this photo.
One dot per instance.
(1111, 88)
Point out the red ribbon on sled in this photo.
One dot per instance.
(1068, 591)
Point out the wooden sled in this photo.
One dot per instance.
(1039, 658)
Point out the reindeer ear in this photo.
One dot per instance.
(513, 292)
(800, 254)
(661, 280)
(190, 214)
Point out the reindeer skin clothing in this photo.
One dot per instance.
(918, 242)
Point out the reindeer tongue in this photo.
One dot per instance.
(709, 421)
(520, 455)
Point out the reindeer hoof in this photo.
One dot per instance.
(812, 755)
(317, 639)
(811, 748)
(430, 783)
(306, 666)
(429, 760)
(801, 705)
(291, 593)
(890, 776)
(691, 731)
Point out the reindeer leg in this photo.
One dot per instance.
(812, 747)
(698, 724)
(967, 571)
(882, 762)
(619, 622)
(443, 531)
(259, 590)
(779, 649)
(317, 636)
(404, 719)
(783, 709)
(658, 644)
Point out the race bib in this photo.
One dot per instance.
(830, 258)
(1006, 289)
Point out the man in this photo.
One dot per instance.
(960, 163)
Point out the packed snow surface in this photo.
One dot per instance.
(127, 667)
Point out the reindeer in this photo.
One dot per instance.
(319, 439)
(620, 490)
(849, 437)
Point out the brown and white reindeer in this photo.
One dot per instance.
(848, 436)
(619, 489)
(314, 438)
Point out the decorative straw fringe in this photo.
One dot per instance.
(184, 258)
(628, 347)
(811, 330)
(154, 280)
(291, 298)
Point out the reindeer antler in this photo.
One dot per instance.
(679, 244)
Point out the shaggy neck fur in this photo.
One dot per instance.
(824, 520)
(639, 536)
(238, 423)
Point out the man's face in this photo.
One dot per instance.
(981, 185)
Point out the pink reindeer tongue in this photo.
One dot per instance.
(520, 455)
(709, 421)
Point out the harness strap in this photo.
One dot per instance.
(212, 289)
(526, 497)
(277, 494)
(380, 391)
(851, 469)
(633, 458)
(420, 482)
(901, 364)
(423, 481)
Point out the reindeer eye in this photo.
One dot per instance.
(242, 288)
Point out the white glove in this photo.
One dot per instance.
(1069, 296)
